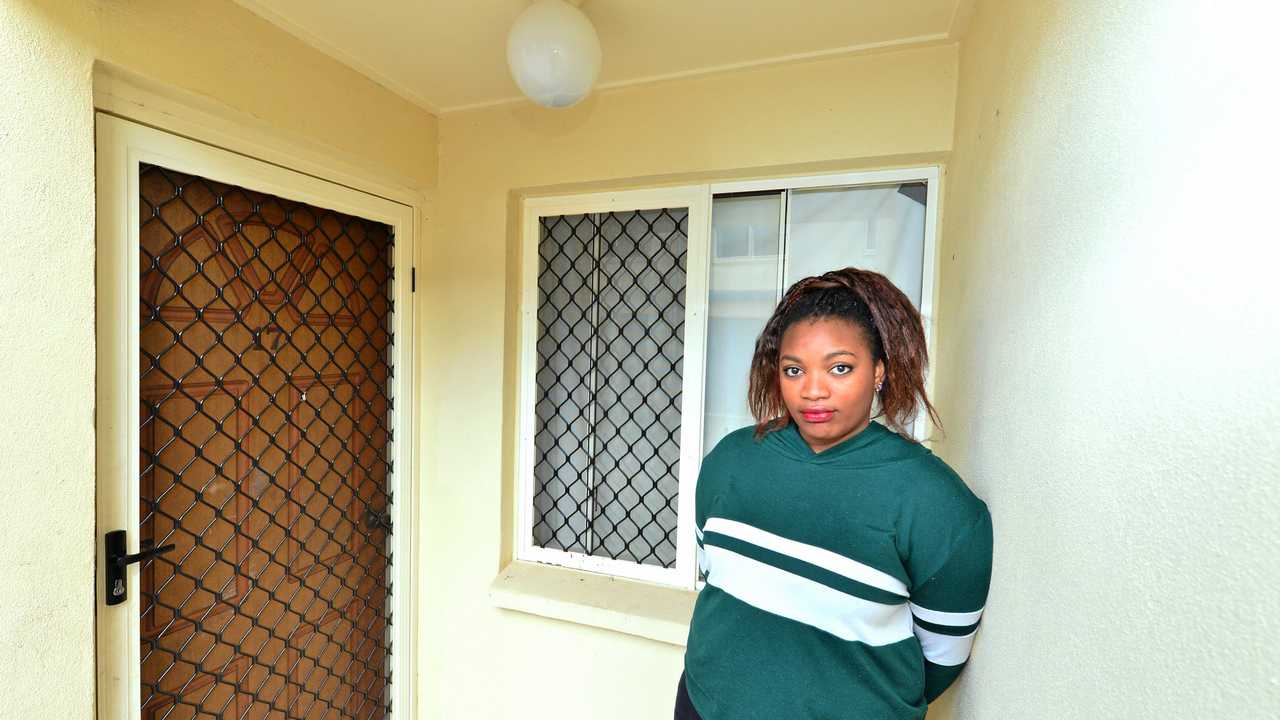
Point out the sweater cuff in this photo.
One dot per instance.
(937, 678)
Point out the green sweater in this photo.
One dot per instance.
(843, 584)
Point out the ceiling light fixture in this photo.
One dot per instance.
(554, 53)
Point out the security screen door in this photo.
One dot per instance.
(263, 532)
(264, 403)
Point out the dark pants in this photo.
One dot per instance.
(684, 708)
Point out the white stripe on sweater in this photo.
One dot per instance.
(811, 554)
(777, 591)
(955, 619)
(942, 649)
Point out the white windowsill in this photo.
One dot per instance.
(603, 601)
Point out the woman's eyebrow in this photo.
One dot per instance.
(828, 357)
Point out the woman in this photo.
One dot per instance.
(847, 565)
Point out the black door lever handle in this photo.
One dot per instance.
(148, 550)
(118, 560)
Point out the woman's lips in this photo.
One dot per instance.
(817, 416)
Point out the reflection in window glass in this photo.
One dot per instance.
(743, 291)
(873, 228)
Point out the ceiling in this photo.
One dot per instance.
(448, 55)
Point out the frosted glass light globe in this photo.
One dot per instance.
(553, 53)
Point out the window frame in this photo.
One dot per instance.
(698, 199)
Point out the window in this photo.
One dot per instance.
(639, 315)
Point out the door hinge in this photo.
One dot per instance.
(374, 519)
(413, 279)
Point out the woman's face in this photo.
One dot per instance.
(828, 380)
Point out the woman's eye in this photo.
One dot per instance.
(842, 369)
(788, 371)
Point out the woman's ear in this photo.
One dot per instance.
(879, 373)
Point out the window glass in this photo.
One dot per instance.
(874, 228)
(743, 290)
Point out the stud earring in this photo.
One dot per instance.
(878, 386)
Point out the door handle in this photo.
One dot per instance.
(118, 560)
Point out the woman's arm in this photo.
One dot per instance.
(947, 605)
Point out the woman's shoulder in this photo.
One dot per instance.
(930, 482)
(734, 444)
(727, 458)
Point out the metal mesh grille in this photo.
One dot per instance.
(265, 427)
(610, 361)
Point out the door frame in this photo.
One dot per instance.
(122, 145)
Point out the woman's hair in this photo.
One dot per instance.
(890, 324)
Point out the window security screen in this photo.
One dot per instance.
(610, 346)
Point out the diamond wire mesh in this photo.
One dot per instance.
(610, 360)
(265, 424)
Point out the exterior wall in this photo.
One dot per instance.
(1110, 313)
(1108, 332)
(482, 662)
(47, 54)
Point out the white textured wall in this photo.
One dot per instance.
(47, 52)
(1110, 355)
(46, 372)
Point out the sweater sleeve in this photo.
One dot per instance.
(947, 603)
(704, 496)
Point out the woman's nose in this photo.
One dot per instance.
(813, 388)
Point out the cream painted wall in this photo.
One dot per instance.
(1108, 319)
(1109, 356)
(47, 52)
(481, 662)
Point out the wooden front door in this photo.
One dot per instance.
(265, 343)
